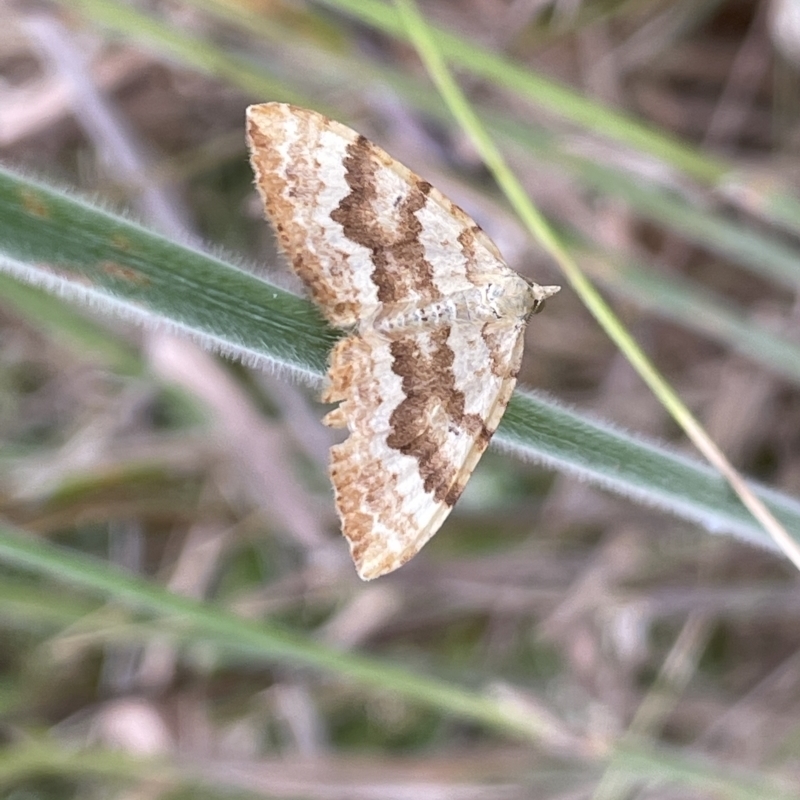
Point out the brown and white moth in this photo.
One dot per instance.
(436, 321)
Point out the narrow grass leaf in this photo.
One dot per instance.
(88, 254)
(260, 640)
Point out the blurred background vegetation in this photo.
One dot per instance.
(178, 612)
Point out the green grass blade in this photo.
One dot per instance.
(30, 757)
(188, 50)
(555, 97)
(675, 298)
(647, 472)
(761, 254)
(262, 641)
(642, 763)
(89, 254)
(757, 251)
(61, 322)
(236, 635)
(69, 247)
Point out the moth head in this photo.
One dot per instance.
(513, 297)
(539, 294)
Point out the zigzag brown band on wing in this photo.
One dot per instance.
(401, 271)
(468, 241)
(431, 408)
(296, 159)
(379, 491)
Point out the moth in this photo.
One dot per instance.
(435, 321)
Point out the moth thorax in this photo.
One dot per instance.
(509, 297)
